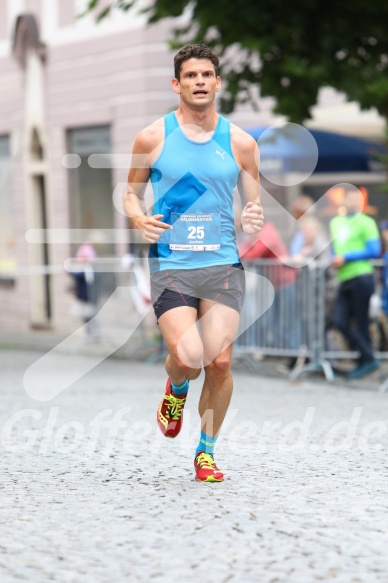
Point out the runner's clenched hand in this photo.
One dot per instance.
(252, 218)
(151, 227)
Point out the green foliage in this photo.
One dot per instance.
(291, 50)
(100, 14)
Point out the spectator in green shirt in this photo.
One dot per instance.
(356, 241)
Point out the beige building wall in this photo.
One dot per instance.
(117, 75)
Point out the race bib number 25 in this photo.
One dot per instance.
(195, 232)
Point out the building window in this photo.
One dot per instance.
(7, 236)
(91, 203)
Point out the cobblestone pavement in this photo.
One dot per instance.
(91, 492)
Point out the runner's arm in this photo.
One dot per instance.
(151, 227)
(252, 217)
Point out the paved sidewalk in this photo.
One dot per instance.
(92, 492)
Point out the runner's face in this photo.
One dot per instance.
(198, 83)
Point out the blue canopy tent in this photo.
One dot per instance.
(291, 148)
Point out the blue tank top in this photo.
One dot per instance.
(193, 185)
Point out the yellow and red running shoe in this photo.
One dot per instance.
(206, 469)
(170, 412)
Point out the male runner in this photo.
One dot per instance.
(194, 159)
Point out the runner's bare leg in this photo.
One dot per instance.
(218, 328)
(184, 345)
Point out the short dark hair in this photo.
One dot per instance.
(197, 51)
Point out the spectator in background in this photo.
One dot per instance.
(282, 319)
(384, 291)
(84, 279)
(356, 241)
(314, 243)
(299, 207)
(384, 282)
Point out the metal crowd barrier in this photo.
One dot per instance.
(298, 323)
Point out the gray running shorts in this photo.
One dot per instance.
(185, 287)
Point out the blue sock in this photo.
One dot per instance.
(206, 444)
(181, 389)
